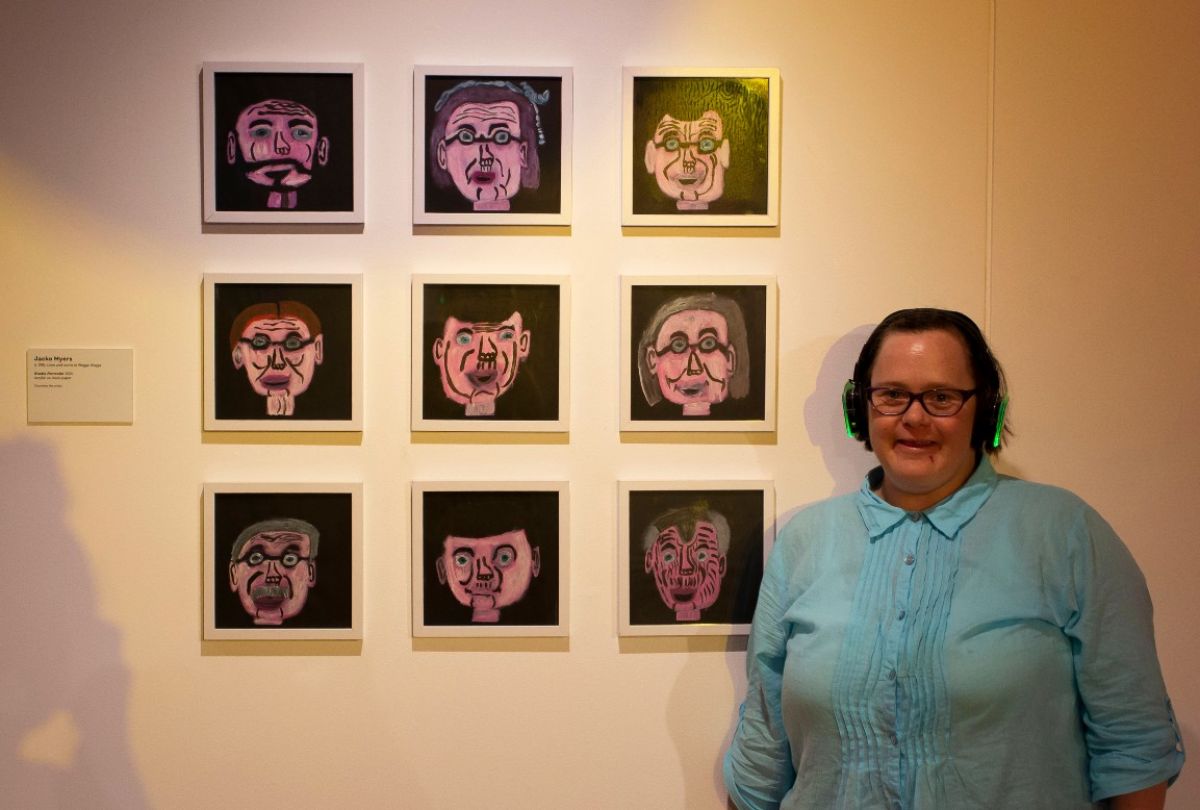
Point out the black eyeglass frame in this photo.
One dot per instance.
(283, 344)
(707, 344)
(466, 137)
(681, 144)
(276, 558)
(914, 396)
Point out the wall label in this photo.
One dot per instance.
(79, 385)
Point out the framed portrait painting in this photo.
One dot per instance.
(692, 555)
(491, 146)
(282, 352)
(490, 353)
(489, 558)
(698, 354)
(283, 561)
(282, 142)
(700, 147)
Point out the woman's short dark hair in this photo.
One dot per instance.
(990, 385)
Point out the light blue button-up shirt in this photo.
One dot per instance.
(995, 651)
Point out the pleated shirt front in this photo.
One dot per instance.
(993, 651)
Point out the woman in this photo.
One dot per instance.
(948, 637)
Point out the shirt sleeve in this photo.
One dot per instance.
(758, 766)
(1132, 738)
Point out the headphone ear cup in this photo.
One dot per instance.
(851, 410)
(995, 426)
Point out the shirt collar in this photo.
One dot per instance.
(947, 516)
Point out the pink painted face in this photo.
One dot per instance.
(687, 569)
(278, 141)
(488, 573)
(484, 153)
(279, 356)
(479, 361)
(689, 159)
(272, 575)
(693, 360)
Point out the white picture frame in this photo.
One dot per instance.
(525, 387)
(318, 387)
(539, 153)
(330, 576)
(656, 598)
(332, 92)
(700, 146)
(731, 389)
(485, 517)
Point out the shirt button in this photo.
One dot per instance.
(914, 516)
(894, 740)
(901, 614)
(909, 559)
(891, 675)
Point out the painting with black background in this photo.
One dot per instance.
(330, 600)
(330, 394)
(470, 513)
(743, 509)
(534, 392)
(331, 98)
(752, 300)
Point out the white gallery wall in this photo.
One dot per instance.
(1034, 165)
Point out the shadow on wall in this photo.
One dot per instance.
(844, 457)
(63, 686)
(694, 688)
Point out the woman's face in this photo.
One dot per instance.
(924, 458)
